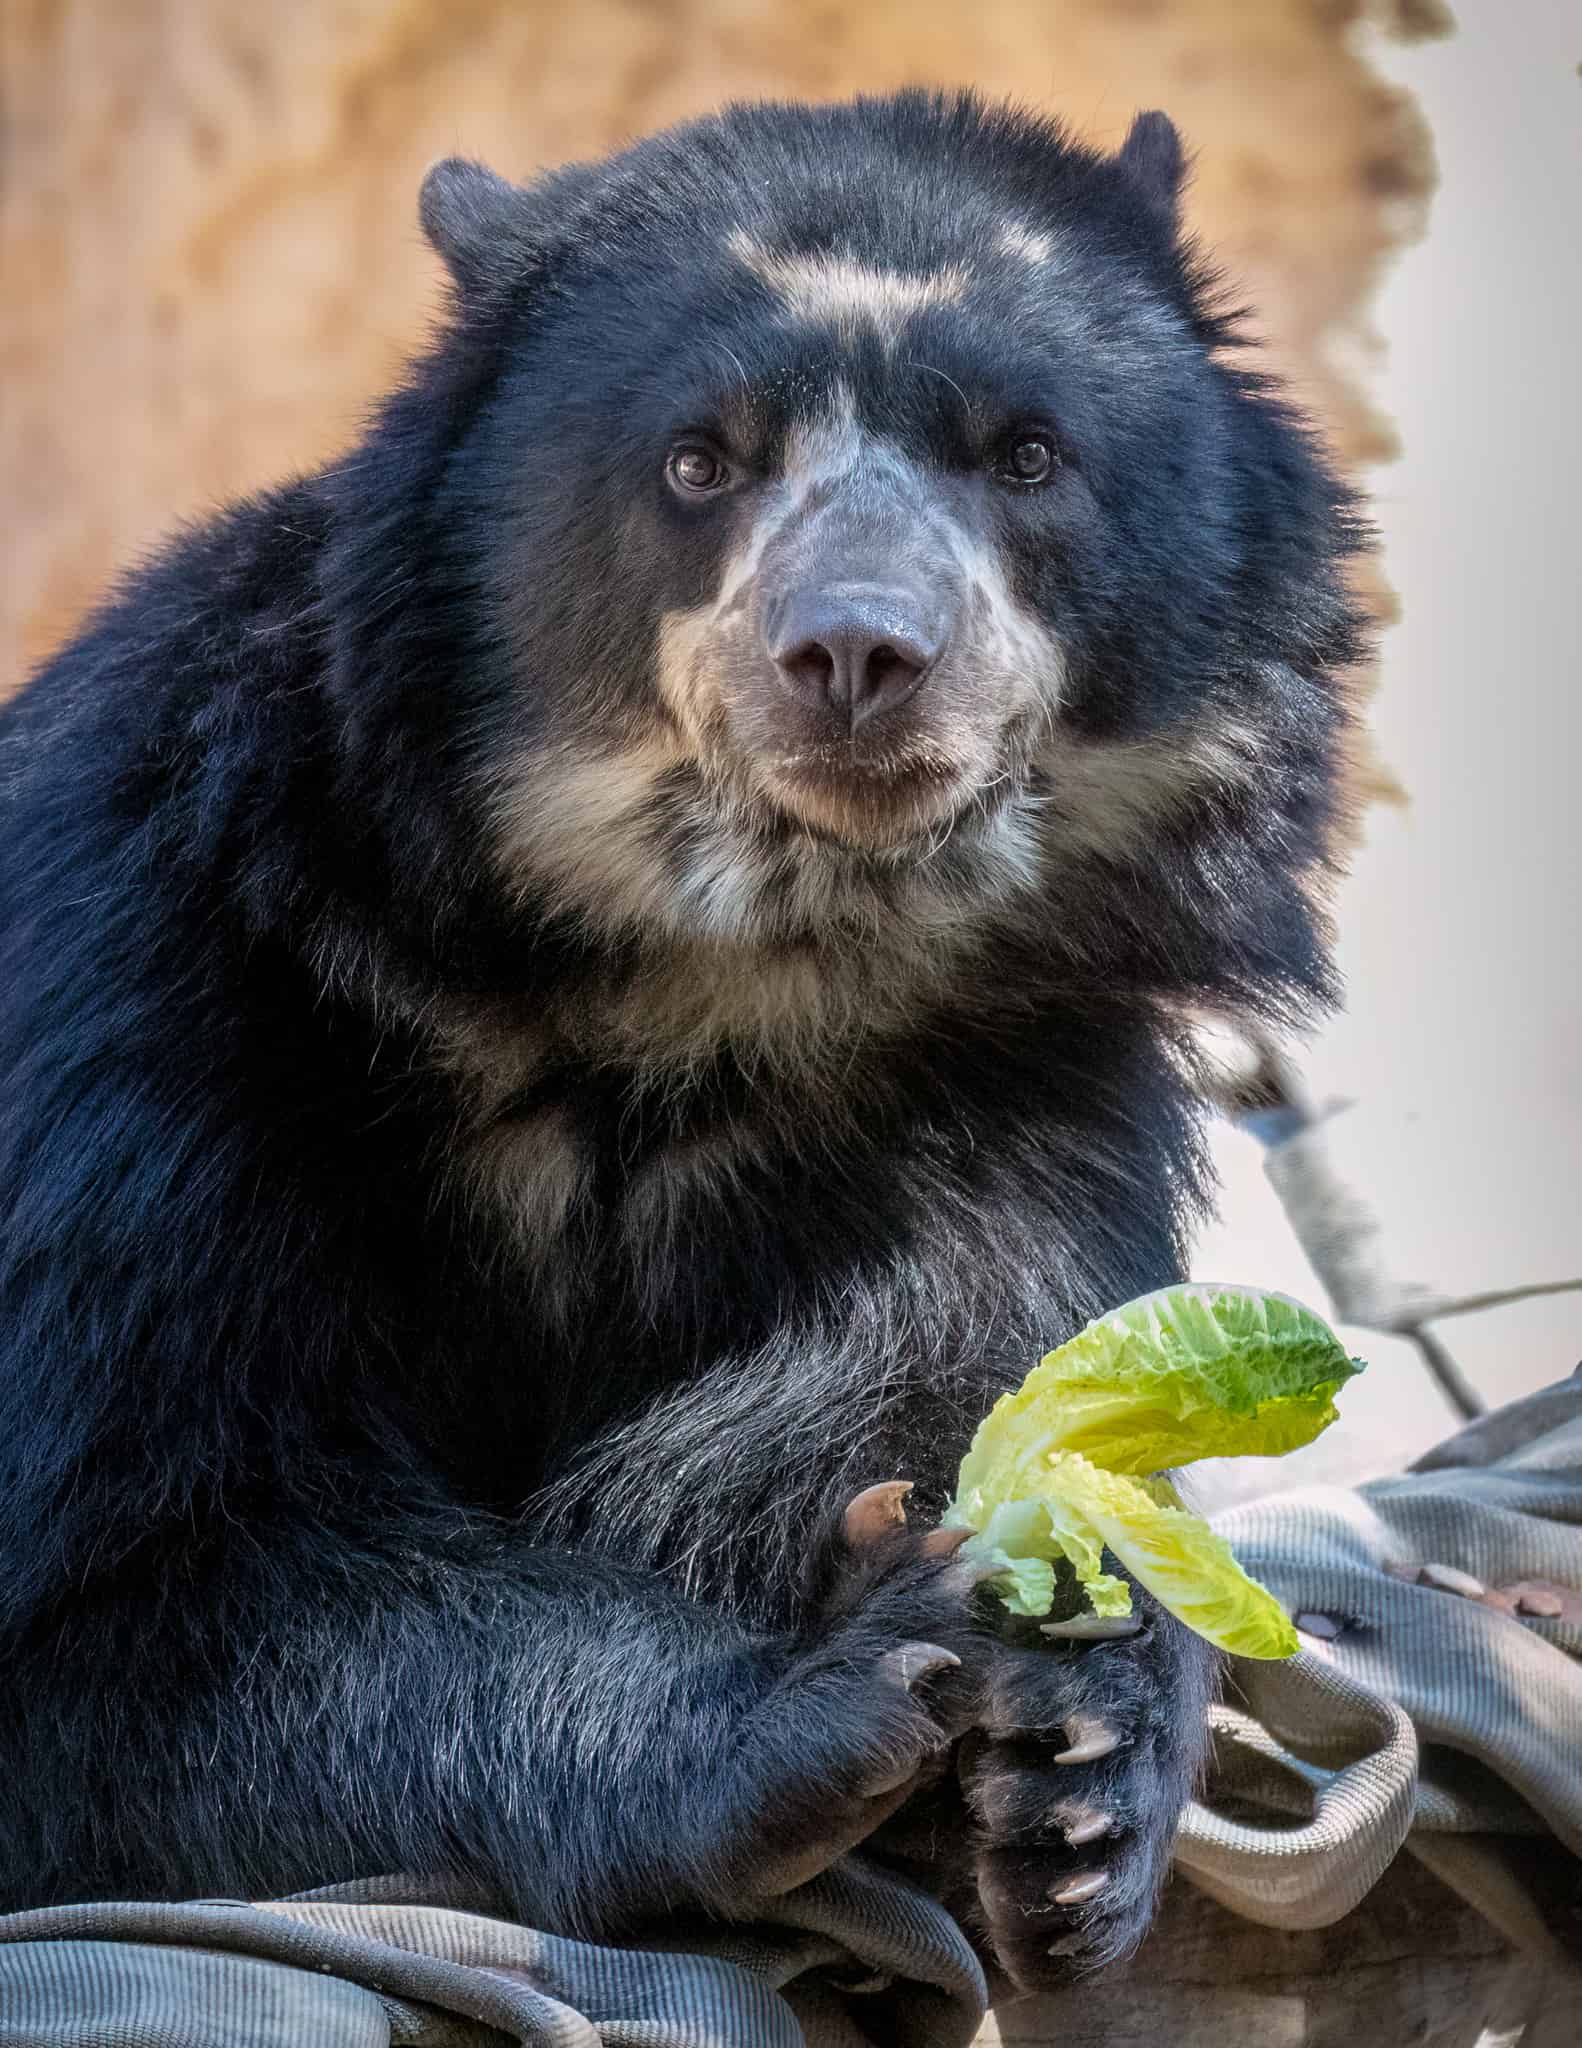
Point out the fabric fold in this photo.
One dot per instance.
(1437, 1705)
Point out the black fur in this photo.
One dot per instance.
(344, 1528)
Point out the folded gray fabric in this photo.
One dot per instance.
(1430, 1711)
(858, 1956)
(1438, 1699)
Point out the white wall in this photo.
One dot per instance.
(1462, 921)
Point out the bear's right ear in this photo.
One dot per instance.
(471, 218)
(1152, 157)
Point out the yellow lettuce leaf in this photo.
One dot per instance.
(1058, 1470)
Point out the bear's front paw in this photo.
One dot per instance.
(865, 1703)
(1088, 1747)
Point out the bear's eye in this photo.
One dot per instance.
(1031, 459)
(695, 471)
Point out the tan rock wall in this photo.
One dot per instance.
(209, 259)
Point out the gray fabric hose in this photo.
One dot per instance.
(1447, 1702)
(1439, 1702)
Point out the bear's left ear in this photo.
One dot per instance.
(1152, 157)
(471, 218)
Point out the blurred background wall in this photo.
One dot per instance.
(1461, 922)
(209, 253)
(209, 264)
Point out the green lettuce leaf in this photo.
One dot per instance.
(1058, 1470)
(1178, 1557)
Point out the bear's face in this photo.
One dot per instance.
(864, 536)
(862, 666)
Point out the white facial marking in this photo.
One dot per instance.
(1017, 646)
(1028, 245)
(1009, 666)
(572, 824)
(817, 455)
(844, 294)
(1108, 797)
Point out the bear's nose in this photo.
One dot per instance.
(858, 649)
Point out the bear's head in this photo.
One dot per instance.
(865, 517)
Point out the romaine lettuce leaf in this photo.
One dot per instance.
(1058, 1470)
(1178, 1557)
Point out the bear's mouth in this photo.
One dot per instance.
(905, 804)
